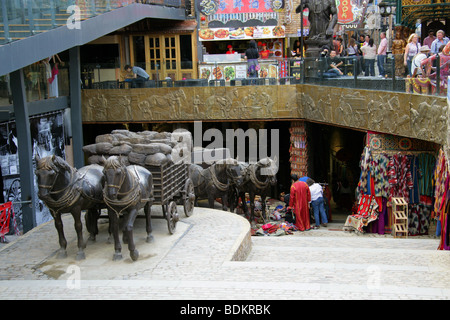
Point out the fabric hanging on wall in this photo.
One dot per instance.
(444, 243)
(416, 174)
(419, 216)
(400, 178)
(365, 166)
(427, 165)
(379, 168)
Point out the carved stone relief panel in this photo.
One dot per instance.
(389, 113)
(428, 117)
(410, 115)
(287, 102)
(415, 116)
(196, 103)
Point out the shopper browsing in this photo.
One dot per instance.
(317, 203)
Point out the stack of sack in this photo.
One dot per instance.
(146, 148)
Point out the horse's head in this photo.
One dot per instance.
(114, 172)
(234, 171)
(268, 168)
(48, 169)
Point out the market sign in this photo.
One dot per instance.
(238, 6)
(208, 7)
(244, 33)
(350, 11)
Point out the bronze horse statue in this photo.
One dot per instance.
(258, 179)
(215, 181)
(127, 190)
(65, 189)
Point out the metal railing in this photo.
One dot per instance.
(305, 71)
(289, 72)
(23, 18)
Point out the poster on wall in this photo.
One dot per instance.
(47, 134)
(9, 161)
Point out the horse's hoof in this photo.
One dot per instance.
(91, 238)
(62, 254)
(134, 255)
(81, 256)
(150, 239)
(117, 256)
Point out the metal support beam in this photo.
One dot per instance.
(75, 106)
(24, 149)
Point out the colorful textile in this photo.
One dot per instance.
(378, 226)
(419, 216)
(444, 243)
(273, 229)
(440, 176)
(400, 179)
(364, 165)
(415, 176)
(418, 85)
(379, 167)
(367, 212)
(427, 163)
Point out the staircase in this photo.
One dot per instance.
(26, 21)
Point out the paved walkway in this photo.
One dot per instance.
(201, 261)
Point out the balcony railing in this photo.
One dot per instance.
(307, 71)
(23, 18)
(289, 72)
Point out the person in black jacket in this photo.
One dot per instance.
(252, 55)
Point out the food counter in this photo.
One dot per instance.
(230, 68)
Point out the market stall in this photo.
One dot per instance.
(218, 65)
(232, 23)
(396, 167)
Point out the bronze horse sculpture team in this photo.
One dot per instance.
(125, 189)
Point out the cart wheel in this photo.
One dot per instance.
(188, 198)
(172, 217)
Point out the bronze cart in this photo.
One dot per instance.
(172, 185)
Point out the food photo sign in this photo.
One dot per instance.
(260, 32)
(231, 72)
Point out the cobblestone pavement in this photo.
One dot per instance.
(196, 263)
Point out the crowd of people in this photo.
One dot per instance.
(366, 54)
